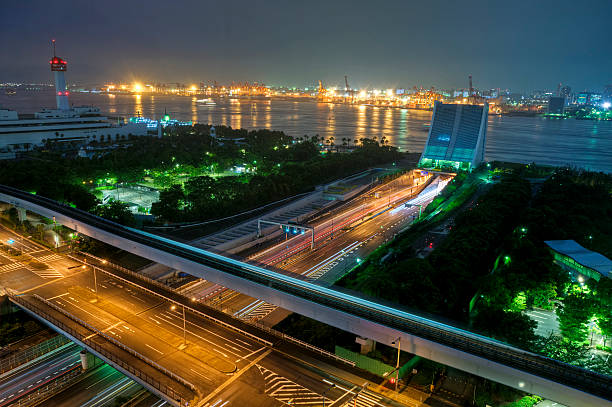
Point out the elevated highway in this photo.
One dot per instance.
(567, 384)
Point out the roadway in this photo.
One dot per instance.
(428, 338)
(32, 376)
(99, 388)
(212, 357)
(343, 237)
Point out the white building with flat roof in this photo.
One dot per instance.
(81, 125)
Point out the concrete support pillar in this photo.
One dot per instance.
(367, 345)
(21, 214)
(84, 359)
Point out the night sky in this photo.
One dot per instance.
(522, 45)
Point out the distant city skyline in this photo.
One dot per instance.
(395, 44)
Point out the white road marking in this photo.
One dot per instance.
(57, 296)
(146, 344)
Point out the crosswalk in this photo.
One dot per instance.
(47, 273)
(319, 270)
(49, 257)
(365, 399)
(262, 311)
(11, 266)
(256, 310)
(289, 392)
(317, 274)
(218, 403)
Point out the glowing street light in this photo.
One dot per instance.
(173, 307)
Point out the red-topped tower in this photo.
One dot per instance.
(58, 66)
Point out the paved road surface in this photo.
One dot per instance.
(31, 376)
(98, 389)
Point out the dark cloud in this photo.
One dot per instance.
(521, 44)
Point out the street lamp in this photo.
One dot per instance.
(95, 281)
(173, 307)
(399, 339)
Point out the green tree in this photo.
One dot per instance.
(564, 350)
(511, 327)
(574, 314)
(116, 211)
(171, 202)
(542, 295)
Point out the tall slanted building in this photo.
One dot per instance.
(457, 137)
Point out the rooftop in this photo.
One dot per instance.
(587, 258)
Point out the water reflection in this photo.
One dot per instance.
(138, 104)
(194, 109)
(524, 139)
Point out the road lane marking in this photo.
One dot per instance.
(250, 354)
(246, 343)
(202, 338)
(234, 377)
(57, 296)
(85, 311)
(51, 282)
(160, 352)
(218, 351)
(111, 373)
(201, 375)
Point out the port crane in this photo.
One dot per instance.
(350, 92)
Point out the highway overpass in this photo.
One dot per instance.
(569, 385)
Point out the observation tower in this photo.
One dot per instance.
(58, 66)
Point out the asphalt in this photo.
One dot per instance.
(99, 388)
(217, 360)
(342, 238)
(226, 367)
(32, 376)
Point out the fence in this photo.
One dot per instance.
(12, 361)
(107, 355)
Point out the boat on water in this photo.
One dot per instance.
(208, 101)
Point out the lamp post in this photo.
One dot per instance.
(95, 281)
(399, 339)
(173, 307)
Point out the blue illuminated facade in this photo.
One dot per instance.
(457, 136)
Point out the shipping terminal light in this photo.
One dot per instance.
(137, 87)
(606, 105)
